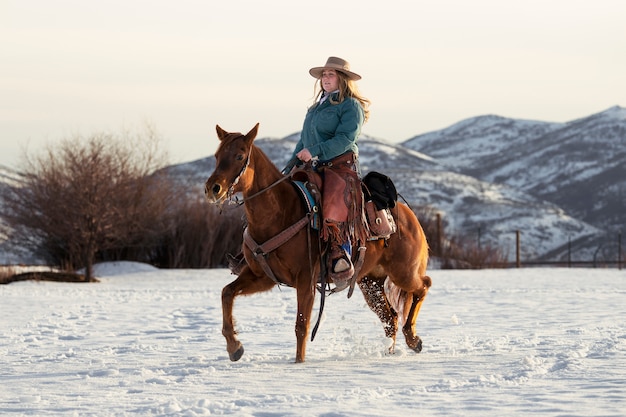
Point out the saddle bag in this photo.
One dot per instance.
(381, 222)
(381, 196)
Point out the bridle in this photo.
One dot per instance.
(233, 184)
(231, 190)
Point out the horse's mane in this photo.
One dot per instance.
(267, 162)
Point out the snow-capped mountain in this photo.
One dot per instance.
(490, 176)
(465, 203)
(578, 165)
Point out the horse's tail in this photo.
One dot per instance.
(396, 298)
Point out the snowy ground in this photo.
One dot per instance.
(545, 342)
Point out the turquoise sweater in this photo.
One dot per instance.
(330, 130)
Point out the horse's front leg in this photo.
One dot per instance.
(306, 297)
(246, 283)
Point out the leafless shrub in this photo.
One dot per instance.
(200, 236)
(90, 195)
(462, 253)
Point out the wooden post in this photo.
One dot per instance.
(569, 252)
(518, 263)
(439, 236)
(619, 250)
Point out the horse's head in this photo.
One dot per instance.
(231, 160)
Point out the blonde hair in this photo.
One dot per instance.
(347, 88)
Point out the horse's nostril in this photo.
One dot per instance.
(216, 189)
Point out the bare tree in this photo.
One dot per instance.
(91, 194)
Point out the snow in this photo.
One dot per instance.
(143, 341)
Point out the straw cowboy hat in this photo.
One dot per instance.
(336, 64)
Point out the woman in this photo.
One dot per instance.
(329, 134)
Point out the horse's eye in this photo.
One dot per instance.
(240, 157)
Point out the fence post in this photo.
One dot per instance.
(517, 250)
(569, 252)
(439, 236)
(619, 250)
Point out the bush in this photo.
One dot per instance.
(463, 253)
(90, 195)
(200, 236)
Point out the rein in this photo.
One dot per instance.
(243, 200)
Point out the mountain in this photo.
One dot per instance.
(470, 143)
(579, 165)
(465, 203)
(562, 185)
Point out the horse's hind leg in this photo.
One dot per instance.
(374, 294)
(413, 306)
(246, 283)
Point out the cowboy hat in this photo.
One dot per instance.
(336, 64)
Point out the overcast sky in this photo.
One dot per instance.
(84, 66)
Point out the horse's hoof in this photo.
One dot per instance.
(236, 355)
(417, 347)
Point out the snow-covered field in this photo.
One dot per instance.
(545, 342)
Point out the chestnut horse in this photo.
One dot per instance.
(272, 205)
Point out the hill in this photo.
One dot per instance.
(465, 203)
(579, 165)
(562, 185)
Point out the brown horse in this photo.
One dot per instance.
(272, 205)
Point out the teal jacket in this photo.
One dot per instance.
(330, 130)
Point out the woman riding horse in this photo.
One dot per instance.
(280, 248)
(329, 134)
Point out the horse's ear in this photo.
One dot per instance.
(221, 133)
(252, 133)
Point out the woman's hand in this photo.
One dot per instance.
(304, 155)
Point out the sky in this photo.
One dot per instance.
(78, 67)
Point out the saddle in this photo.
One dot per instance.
(379, 195)
(374, 217)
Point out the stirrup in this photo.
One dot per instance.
(341, 269)
(341, 265)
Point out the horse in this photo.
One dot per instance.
(392, 277)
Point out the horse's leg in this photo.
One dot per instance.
(413, 306)
(306, 297)
(246, 283)
(374, 294)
